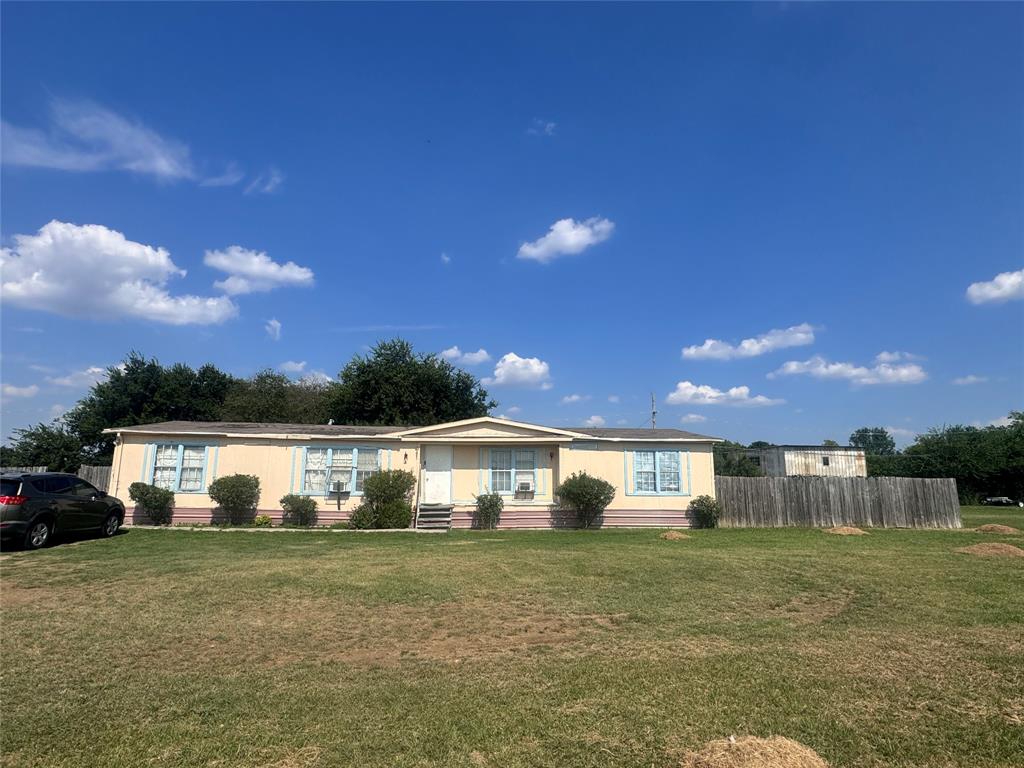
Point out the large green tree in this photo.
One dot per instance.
(876, 441)
(44, 445)
(141, 391)
(394, 385)
(270, 397)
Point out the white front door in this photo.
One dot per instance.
(437, 474)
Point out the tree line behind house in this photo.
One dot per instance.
(390, 385)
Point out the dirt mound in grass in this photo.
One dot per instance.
(992, 550)
(996, 528)
(754, 752)
(846, 530)
(674, 535)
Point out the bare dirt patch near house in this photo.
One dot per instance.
(674, 536)
(992, 550)
(1007, 530)
(846, 530)
(754, 752)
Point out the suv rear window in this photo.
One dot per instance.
(57, 484)
(9, 487)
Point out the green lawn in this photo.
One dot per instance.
(607, 648)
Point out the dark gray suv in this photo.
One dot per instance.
(35, 506)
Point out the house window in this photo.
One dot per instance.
(328, 470)
(657, 472)
(512, 468)
(179, 468)
(824, 461)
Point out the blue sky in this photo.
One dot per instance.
(582, 191)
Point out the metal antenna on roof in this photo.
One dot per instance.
(654, 413)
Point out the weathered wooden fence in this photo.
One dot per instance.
(880, 502)
(98, 476)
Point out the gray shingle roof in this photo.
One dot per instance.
(640, 433)
(255, 428)
(343, 430)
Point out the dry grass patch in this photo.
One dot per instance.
(992, 550)
(814, 609)
(754, 752)
(674, 536)
(1008, 530)
(846, 530)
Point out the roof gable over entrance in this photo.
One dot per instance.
(488, 428)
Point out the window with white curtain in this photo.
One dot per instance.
(338, 469)
(657, 472)
(179, 468)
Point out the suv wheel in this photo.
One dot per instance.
(38, 534)
(110, 525)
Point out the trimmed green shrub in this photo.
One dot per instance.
(387, 498)
(363, 517)
(488, 510)
(237, 495)
(262, 521)
(394, 514)
(586, 495)
(156, 503)
(299, 510)
(705, 511)
(389, 485)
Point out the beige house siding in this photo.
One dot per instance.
(278, 462)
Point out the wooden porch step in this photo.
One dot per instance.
(434, 517)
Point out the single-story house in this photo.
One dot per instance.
(656, 472)
(810, 460)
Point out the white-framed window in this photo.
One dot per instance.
(512, 468)
(657, 472)
(179, 468)
(326, 470)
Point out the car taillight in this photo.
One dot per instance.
(14, 501)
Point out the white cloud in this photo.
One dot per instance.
(513, 409)
(692, 418)
(56, 410)
(9, 390)
(316, 377)
(567, 237)
(83, 379)
(273, 329)
(540, 127)
(895, 357)
(713, 349)
(858, 375)
(265, 183)
(513, 370)
(594, 421)
(613, 398)
(1002, 421)
(231, 176)
(446, 259)
(292, 366)
(87, 137)
(456, 355)
(1003, 287)
(901, 432)
(95, 272)
(964, 381)
(687, 393)
(254, 271)
(574, 398)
